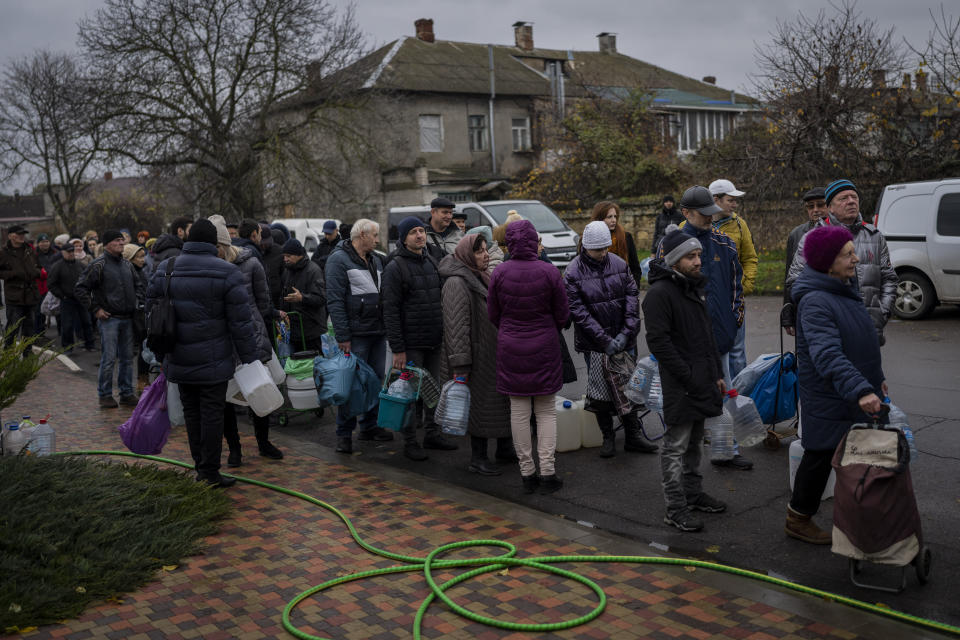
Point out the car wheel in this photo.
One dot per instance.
(915, 296)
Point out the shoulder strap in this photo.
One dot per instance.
(168, 272)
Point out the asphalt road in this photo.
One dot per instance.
(623, 494)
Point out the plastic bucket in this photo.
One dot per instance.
(293, 384)
(303, 398)
(393, 411)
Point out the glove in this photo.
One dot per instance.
(616, 345)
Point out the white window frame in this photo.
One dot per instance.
(431, 132)
(478, 137)
(524, 133)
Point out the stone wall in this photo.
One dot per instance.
(770, 224)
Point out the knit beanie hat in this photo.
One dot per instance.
(596, 235)
(407, 225)
(110, 235)
(667, 198)
(676, 244)
(223, 234)
(61, 240)
(512, 216)
(838, 186)
(203, 231)
(294, 248)
(822, 245)
(130, 250)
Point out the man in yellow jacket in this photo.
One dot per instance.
(726, 196)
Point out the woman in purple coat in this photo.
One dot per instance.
(527, 304)
(606, 316)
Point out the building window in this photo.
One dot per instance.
(693, 128)
(520, 128)
(431, 133)
(477, 129)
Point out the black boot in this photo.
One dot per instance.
(633, 435)
(530, 483)
(235, 458)
(261, 428)
(505, 451)
(605, 422)
(549, 484)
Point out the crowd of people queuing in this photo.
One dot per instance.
(486, 305)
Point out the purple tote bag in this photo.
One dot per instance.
(148, 427)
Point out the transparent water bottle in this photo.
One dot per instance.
(720, 429)
(639, 383)
(456, 413)
(748, 427)
(654, 400)
(898, 420)
(14, 441)
(401, 387)
(43, 440)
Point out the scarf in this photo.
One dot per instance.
(464, 253)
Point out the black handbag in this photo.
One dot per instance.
(161, 320)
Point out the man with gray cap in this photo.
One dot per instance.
(722, 274)
(816, 207)
(679, 336)
(442, 234)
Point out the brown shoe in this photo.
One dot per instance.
(129, 401)
(108, 402)
(804, 528)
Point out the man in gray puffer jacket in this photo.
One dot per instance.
(876, 278)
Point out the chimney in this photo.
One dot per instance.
(608, 42)
(424, 29)
(833, 77)
(523, 35)
(108, 175)
(906, 81)
(920, 78)
(879, 78)
(710, 79)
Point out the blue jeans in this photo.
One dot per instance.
(116, 343)
(373, 351)
(680, 452)
(738, 353)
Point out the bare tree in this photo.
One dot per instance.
(200, 83)
(51, 127)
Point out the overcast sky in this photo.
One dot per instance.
(693, 37)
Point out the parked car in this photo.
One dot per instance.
(559, 240)
(921, 223)
(307, 230)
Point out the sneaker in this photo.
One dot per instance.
(414, 452)
(737, 462)
(129, 401)
(108, 402)
(267, 450)
(708, 504)
(344, 445)
(378, 434)
(438, 442)
(484, 467)
(549, 484)
(684, 520)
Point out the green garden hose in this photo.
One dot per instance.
(508, 559)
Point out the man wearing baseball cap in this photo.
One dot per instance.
(876, 278)
(723, 275)
(442, 234)
(329, 241)
(815, 204)
(19, 270)
(727, 196)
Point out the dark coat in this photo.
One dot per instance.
(273, 268)
(724, 283)
(470, 348)
(793, 241)
(213, 316)
(110, 283)
(603, 302)
(353, 293)
(63, 278)
(324, 249)
(527, 304)
(412, 315)
(679, 336)
(166, 246)
(255, 281)
(838, 357)
(19, 270)
(307, 278)
(633, 260)
(246, 243)
(665, 218)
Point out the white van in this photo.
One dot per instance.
(921, 224)
(307, 230)
(559, 240)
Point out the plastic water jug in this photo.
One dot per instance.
(456, 413)
(796, 453)
(43, 440)
(568, 425)
(720, 429)
(638, 386)
(401, 387)
(258, 388)
(14, 441)
(898, 420)
(748, 427)
(654, 399)
(277, 374)
(590, 434)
